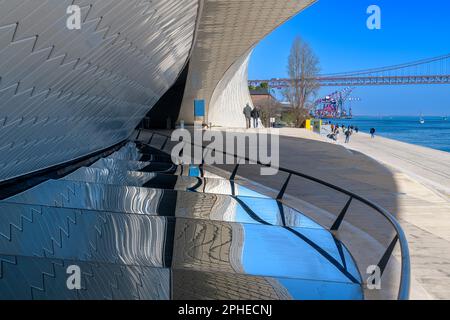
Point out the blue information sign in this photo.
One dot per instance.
(199, 108)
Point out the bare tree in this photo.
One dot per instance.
(303, 68)
(269, 107)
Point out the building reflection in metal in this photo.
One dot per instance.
(151, 201)
(146, 235)
(74, 234)
(116, 176)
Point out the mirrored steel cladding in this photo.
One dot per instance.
(31, 278)
(147, 235)
(138, 200)
(161, 181)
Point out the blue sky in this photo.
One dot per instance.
(337, 32)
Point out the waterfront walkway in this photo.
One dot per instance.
(422, 176)
(410, 181)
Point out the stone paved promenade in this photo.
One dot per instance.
(410, 181)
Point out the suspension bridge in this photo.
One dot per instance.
(427, 71)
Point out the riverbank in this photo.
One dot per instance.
(434, 133)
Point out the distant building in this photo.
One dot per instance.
(262, 97)
(269, 105)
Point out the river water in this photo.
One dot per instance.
(435, 133)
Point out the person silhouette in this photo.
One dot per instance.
(248, 115)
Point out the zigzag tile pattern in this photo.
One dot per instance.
(82, 235)
(158, 238)
(67, 93)
(36, 279)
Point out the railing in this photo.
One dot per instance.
(400, 237)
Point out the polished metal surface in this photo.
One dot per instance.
(150, 201)
(84, 235)
(161, 181)
(229, 286)
(30, 278)
(119, 165)
(128, 238)
(260, 250)
(128, 153)
(68, 93)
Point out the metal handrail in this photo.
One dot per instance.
(400, 237)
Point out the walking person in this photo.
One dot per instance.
(255, 115)
(348, 133)
(372, 132)
(258, 115)
(248, 115)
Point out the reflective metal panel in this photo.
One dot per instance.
(67, 93)
(82, 235)
(129, 152)
(111, 176)
(119, 165)
(197, 285)
(160, 181)
(127, 199)
(117, 224)
(89, 196)
(259, 250)
(30, 278)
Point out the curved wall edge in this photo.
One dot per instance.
(67, 93)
